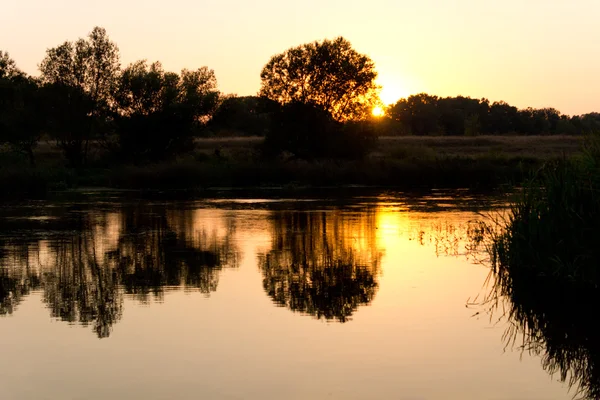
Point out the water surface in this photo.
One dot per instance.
(354, 297)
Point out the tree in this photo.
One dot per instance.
(90, 64)
(158, 112)
(21, 108)
(86, 71)
(418, 113)
(8, 67)
(502, 118)
(22, 114)
(329, 74)
(243, 116)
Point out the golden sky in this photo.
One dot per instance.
(539, 53)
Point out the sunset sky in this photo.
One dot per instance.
(539, 53)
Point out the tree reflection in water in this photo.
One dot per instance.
(324, 264)
(84, 273)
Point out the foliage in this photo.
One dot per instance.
(423, 114)
(308, 132)
(551, 232)
(243, 116)
(80, 77)
(8, 67)
(328, 74)
(545, 259)
(22, 114)
(157, 111)
(91, 65)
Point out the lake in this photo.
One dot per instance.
(307, 296)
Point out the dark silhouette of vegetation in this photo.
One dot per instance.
(159, 112)
(322, 264)
(90, 266)
(21, 110)
(308, 132)
(551, 320)
(243, 116)
(85, 121)
(80, 79)
(544, 256)
(328, 74)
(424, 114)
(551, 231)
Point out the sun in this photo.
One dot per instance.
(378, 111)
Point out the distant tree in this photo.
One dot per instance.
(588, 123)
(328, 74)
(501, 119)
(158, 111)
(460, 115)
(86, 71)
(418, 113)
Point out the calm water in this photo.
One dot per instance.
(365, 297)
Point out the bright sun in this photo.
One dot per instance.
(378, 111)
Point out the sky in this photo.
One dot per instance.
(525, 52)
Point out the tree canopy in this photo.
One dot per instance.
(8, 67)
(329, 74)
(157, 111)
(90, 64)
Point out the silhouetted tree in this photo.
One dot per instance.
(418, 114)
(8, 67)
(22, 114)
(158, 111)
(328, 74)
(423, 114)
(501, 119)
(85, 71)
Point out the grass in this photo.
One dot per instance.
(551, 233)
(400, 162)
(545, 259)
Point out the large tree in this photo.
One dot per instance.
(91, 64)
(158, 111)
(83, 75)
(329, 74)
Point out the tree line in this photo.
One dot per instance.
(315, 100)
(424, 114)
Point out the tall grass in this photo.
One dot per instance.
(553, 231)
(546, 257)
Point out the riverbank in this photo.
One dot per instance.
(398, 162)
